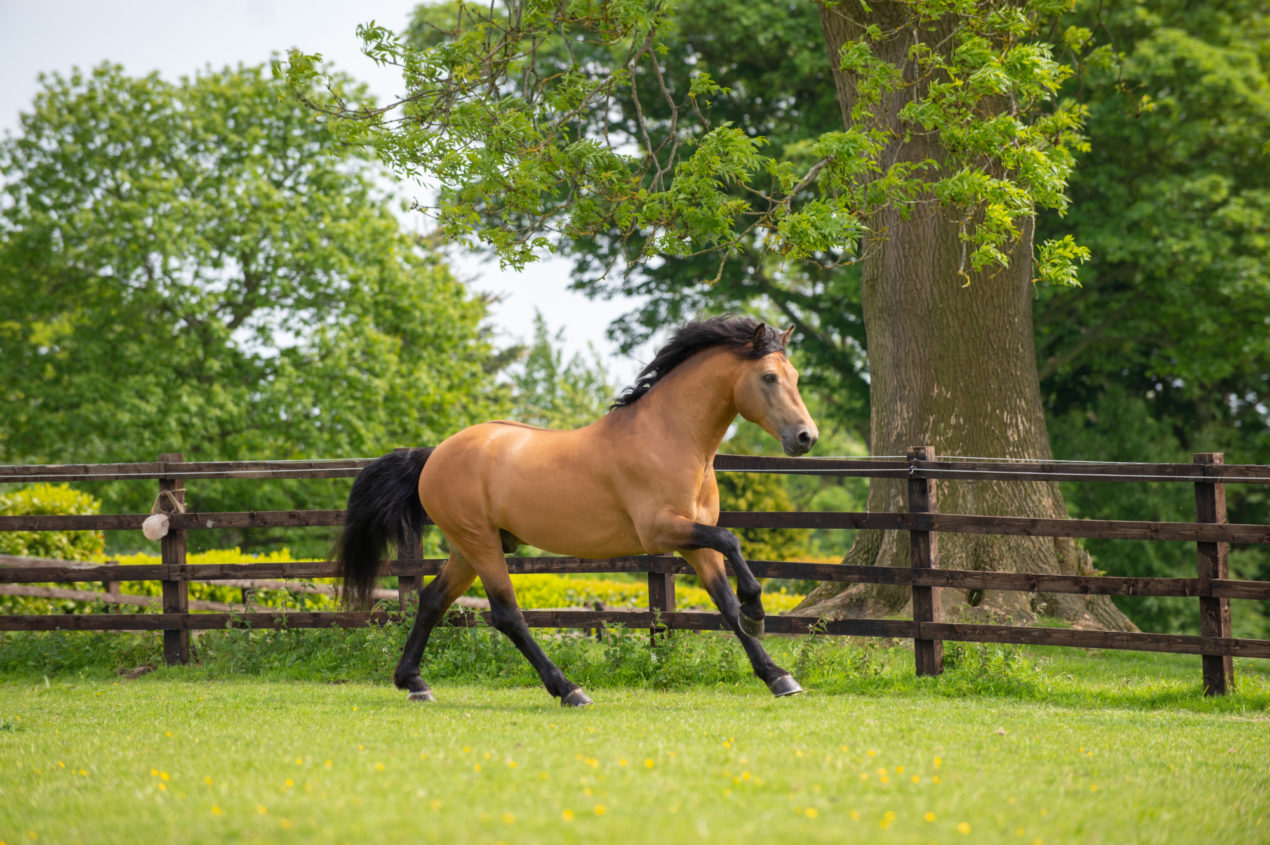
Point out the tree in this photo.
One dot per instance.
(1159, 352)
(200, 267)
(551, 391)
(950, 138)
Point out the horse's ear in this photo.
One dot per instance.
(786, 335)
(760, 335)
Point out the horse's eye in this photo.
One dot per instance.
(769, 378)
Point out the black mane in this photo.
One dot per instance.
(744, 336)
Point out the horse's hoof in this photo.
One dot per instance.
(784, 685)
(751, 627)
(576, 698)
(421, 695)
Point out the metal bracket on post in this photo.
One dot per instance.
(924, 554)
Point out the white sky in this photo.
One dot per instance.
(179, 37)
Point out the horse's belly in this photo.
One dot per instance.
(569, 522)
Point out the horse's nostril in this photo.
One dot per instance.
(805, 438)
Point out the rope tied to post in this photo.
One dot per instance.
(156, 525)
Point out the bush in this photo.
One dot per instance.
(50, 499)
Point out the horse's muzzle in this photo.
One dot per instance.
(799, 441)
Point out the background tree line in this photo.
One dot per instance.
(204, 265)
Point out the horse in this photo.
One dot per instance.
(638, 480)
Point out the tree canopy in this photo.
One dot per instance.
(198, 266)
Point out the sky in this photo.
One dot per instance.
(180, 37)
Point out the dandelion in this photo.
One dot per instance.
(600, 809)
(622, 762)
(854, 815)
(567, 815)
(811, 812)
(207, 779)
(379, 767)
(435, 804)
(328, 764)
(930, 817)
(286, 824)
(648, 763)
(508, 818)
(917, 778)
(476, 767)
(299, 761)
(217, 811)
(938, 762)
(261, 809)
(511, 764)
(964, 827)
(165, 776)
(899, 770)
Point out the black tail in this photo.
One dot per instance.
(383, 506)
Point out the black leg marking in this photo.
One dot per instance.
(506, 617)
(747, 586)
(434, 600)
(779, 681)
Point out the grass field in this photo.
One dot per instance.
(310, 743)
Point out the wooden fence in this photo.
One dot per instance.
(1211, 585)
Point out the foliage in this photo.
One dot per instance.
(51, 499)
(514, 115)
(198, 266)
(1163, 351)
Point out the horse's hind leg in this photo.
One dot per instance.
(708, 564)
(453, 580)
(506, 617)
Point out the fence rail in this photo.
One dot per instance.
(1210, 532)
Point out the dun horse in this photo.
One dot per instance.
(638, 480)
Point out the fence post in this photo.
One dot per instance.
(1214, 613)
(924, 554)
(176, 593)
(661, 598)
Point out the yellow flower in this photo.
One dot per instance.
(854, 815)
(930, 817)
(262, 809)
(207, 779)
(964, 827)
(299, 761)
(286, 824)
(567, 815)
(811, 812)
(508, 818)
(622, 762)
(938, 762)
(917, 778)
(600, 809)
(216, 811)
(648, 763)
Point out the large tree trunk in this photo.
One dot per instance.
(952, 365)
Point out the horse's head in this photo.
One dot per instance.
(767, 394)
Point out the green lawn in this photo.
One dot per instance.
(1007, 746)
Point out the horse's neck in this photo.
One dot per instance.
(689, 411)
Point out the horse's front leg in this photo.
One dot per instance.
(708, 564)
(681, 534)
